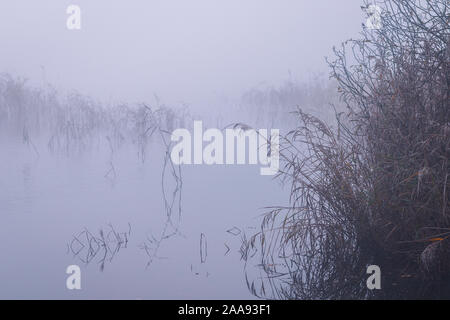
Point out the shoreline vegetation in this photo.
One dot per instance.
(376, 190)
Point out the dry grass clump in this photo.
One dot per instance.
(376, 190)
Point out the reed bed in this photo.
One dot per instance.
(75, 123)
(374, 189)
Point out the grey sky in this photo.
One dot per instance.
(181, 50)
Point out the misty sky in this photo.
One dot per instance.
(190, 50)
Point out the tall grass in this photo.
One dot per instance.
(374, 191)
(73, 122)
(273, 105)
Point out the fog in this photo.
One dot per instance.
(193, 51)
(86, 174)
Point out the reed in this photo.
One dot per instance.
(374, 190)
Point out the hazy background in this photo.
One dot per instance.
(198, 52)
(193, 51)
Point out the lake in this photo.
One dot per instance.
(56, 207)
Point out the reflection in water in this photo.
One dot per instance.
(83, 164)
(172, 203)
(107, 246)
(86, 246)
(203, 248)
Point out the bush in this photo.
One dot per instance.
(376, 190)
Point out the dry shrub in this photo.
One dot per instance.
(376, 190)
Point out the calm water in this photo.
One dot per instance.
(48, 199)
